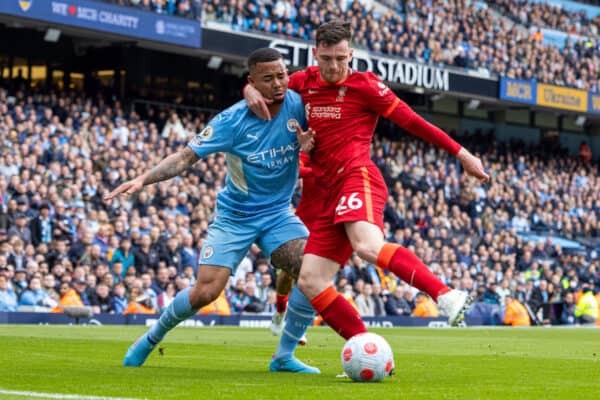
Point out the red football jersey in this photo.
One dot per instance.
(344, 116)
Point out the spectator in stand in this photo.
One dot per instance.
(567, 315)
(119, 300)
(8, 298)
(364, 301)
(162, 280)
(17, 257)
(42, 227)
(174, 129)
(166, 296)
(80, 287)
(139, 303)
(68, 298)
(515, 313)
(101, 301)
(264, 287)
(35, 296)
(239, 300)
(20, 228)
(147, 290)
(377, 298)
(424, 306)
(49, 286)
(19, 283)
(586, 310)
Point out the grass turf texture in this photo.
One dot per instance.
(232, 363)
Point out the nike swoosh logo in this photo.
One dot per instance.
(344, 212)
(310, 91)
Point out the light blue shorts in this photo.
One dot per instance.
(230, 236)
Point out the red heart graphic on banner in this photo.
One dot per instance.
(72, 10)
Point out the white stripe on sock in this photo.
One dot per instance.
(303, 315)
(286, 332)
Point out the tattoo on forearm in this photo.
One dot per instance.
(171, 166)
(288, 256)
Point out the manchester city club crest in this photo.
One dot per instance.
(206, 133)
(291, 125)
(25, 4)
(208, 252)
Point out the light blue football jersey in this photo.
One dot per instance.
(262, 156)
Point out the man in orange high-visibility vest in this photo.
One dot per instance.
(515, 314)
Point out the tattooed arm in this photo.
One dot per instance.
(171, 166)
(168, 168)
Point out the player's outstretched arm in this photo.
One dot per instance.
(168, 168)
(472, 165)
(256, 102)
(406, 118)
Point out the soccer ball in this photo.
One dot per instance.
(367, 358)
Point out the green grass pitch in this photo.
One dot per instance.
(232, 363)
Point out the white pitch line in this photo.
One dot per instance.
(60, 396)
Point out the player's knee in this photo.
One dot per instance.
(308, 286)
(366, 250)
(304, 285)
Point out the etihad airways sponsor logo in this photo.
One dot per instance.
(275, 156)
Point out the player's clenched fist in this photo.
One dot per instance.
(128, 188)
(306, 139)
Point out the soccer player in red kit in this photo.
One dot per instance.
(342, 108)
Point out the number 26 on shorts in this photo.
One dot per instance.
(348, 204)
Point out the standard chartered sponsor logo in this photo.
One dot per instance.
(329, 112)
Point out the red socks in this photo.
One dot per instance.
(281, 302)
(407, 266)
(338, 313)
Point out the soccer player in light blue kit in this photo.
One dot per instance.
(262, 162)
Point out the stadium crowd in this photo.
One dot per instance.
(460, 33)
(454, 33)
(60, 244)
(546, 15)
(181, 8)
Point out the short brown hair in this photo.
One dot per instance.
(333, 32)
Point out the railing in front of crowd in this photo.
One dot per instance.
(172, 106)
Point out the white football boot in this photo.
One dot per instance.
(455, 305)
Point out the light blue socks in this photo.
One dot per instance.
(300, 315)
(179, 310)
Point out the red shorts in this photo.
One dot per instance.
(360, 195)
